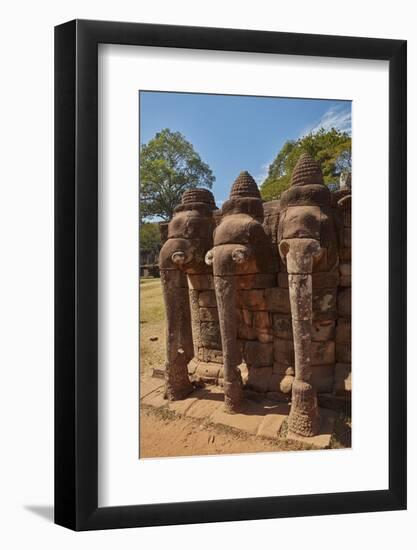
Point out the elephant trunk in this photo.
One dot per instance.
(300, 255)
(226, 302)
(226, 260)
(179, 341)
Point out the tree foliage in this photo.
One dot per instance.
(332, 149)
(169, 165)
(149, 237)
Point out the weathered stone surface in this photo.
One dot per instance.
(226, 301)
(210, 355)
(307, 171)
(263, 327)
(347, 218)
(244, 372)
(255, 281)
(248, 420)
(257, 354)
(209, 314)
(203, 408)
(278, 397)
(259, 378)
(344, 303)
(324, 263)
(322, 378)
(195, 319)
(342, 379)
(192, 365)
(252, 299)
(274, 381)
(163, 231)
(347, 236)
(262, 320)
(202, 281)
(278, 300)
(247, 317)
(343, 353)
(345, 281)
(265, 337)
(345, 270)
(281, 369)
(340, 403)
(253, 395)
(215, 356)
(323, 331)
(284, 352)
(322, 353)
(281, 383)
(207, 371)
(301, 221)
(283, 358)
(245, 332)
(272, 423)
(345, 254)
(210, 335)
(271, 219)
(282, 326)
(207, 298)
(343, 331)
(323, 438)
(179, 345)
(325, 279)
(301, 254)
(324, 302)
(282, 280)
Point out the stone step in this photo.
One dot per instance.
(259, 418)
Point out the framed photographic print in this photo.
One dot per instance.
(230, 275)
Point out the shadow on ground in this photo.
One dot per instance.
(45, 512)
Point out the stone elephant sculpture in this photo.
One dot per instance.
(307, 237)
(190, 236)
(241, 246)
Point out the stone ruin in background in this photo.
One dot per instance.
(258, 295)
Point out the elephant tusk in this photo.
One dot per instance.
(209, 257)
(178, 258)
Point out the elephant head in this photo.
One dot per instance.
(190, 235)
(307, 242)
(241, 246)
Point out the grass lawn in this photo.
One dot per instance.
(152, 324)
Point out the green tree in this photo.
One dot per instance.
(168, 166)
(149, 237)
(332, 149)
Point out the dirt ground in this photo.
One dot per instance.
(152, 326)
(165, 434)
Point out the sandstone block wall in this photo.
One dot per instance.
(265, 326)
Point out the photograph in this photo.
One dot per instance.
(207, 339)
(244, 274)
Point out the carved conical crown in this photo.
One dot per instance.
(198, 195)
(244, 186)
(307, 171)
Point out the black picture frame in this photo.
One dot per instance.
(76, 272)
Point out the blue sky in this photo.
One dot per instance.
(235, 133)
